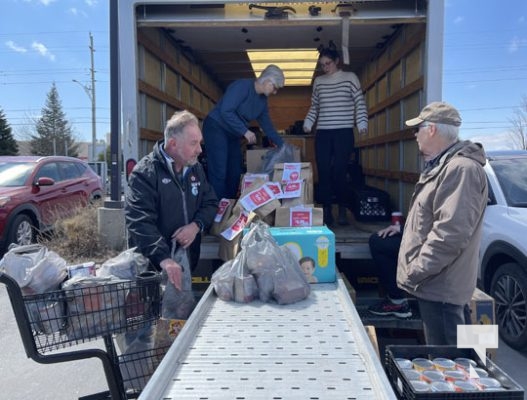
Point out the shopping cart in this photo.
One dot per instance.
(63, 318)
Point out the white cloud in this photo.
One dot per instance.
(76, 12)
(13, 46)
(515, 44)
(46, 2)
(42, 50)
(91, 3)
(458, 20)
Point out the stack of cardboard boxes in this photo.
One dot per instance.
(285, 202)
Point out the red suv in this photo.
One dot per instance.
(35, 191)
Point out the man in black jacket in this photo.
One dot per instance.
(169, 201)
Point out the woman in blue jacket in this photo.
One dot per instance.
(245, 100)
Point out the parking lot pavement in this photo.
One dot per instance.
(23, 378)
(514, 364)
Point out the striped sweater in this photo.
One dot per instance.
(337, 102)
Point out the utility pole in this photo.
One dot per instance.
(90, 91)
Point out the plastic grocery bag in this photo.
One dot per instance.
(126, 265)
(35, 268)
(282, 154)
(277, 272)
(262, 269)
(233, 282)
(291, 284)
(178, 304)
(96, 306)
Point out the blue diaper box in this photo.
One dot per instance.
(317, 244)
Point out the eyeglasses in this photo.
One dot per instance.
(418, 128)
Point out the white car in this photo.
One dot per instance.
(503, 252)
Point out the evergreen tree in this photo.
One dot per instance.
(8, 144)
(54, 133)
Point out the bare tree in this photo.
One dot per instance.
(518, 132)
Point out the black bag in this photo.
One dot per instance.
(370, 204)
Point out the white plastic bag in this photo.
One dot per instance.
(126, 265)
(35, 268)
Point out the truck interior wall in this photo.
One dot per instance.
(393, 82)
(289, 105)
(168, 81)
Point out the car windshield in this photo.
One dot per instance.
(512, 175)
(15, 174)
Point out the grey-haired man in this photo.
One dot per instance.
(438, 257)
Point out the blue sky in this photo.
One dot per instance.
(41, 41)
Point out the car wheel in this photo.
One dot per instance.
(509, 290)
(22, 231)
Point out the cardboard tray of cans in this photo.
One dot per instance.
(396, 356)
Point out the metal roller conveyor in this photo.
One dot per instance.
(313, 349)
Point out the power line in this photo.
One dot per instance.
(41, 82)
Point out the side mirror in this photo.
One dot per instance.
(44, 181)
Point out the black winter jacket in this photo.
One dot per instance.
(157, 204)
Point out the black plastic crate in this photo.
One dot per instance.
(404, 389)
(370, 204)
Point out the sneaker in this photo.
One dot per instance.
(388, 307)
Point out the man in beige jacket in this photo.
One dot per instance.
(438, 257)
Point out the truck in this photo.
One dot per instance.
(182, 54)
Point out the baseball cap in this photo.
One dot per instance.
(439, 112)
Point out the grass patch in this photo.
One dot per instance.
(76, 238)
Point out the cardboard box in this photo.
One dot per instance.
(254, 158)
(482, 308)
(283, 217)
(372, 335)
(317, 243)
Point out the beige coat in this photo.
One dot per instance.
(438, 258)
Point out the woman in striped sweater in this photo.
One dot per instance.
(337, 105)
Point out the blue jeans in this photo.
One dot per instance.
(440, 321)
(224, 159)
